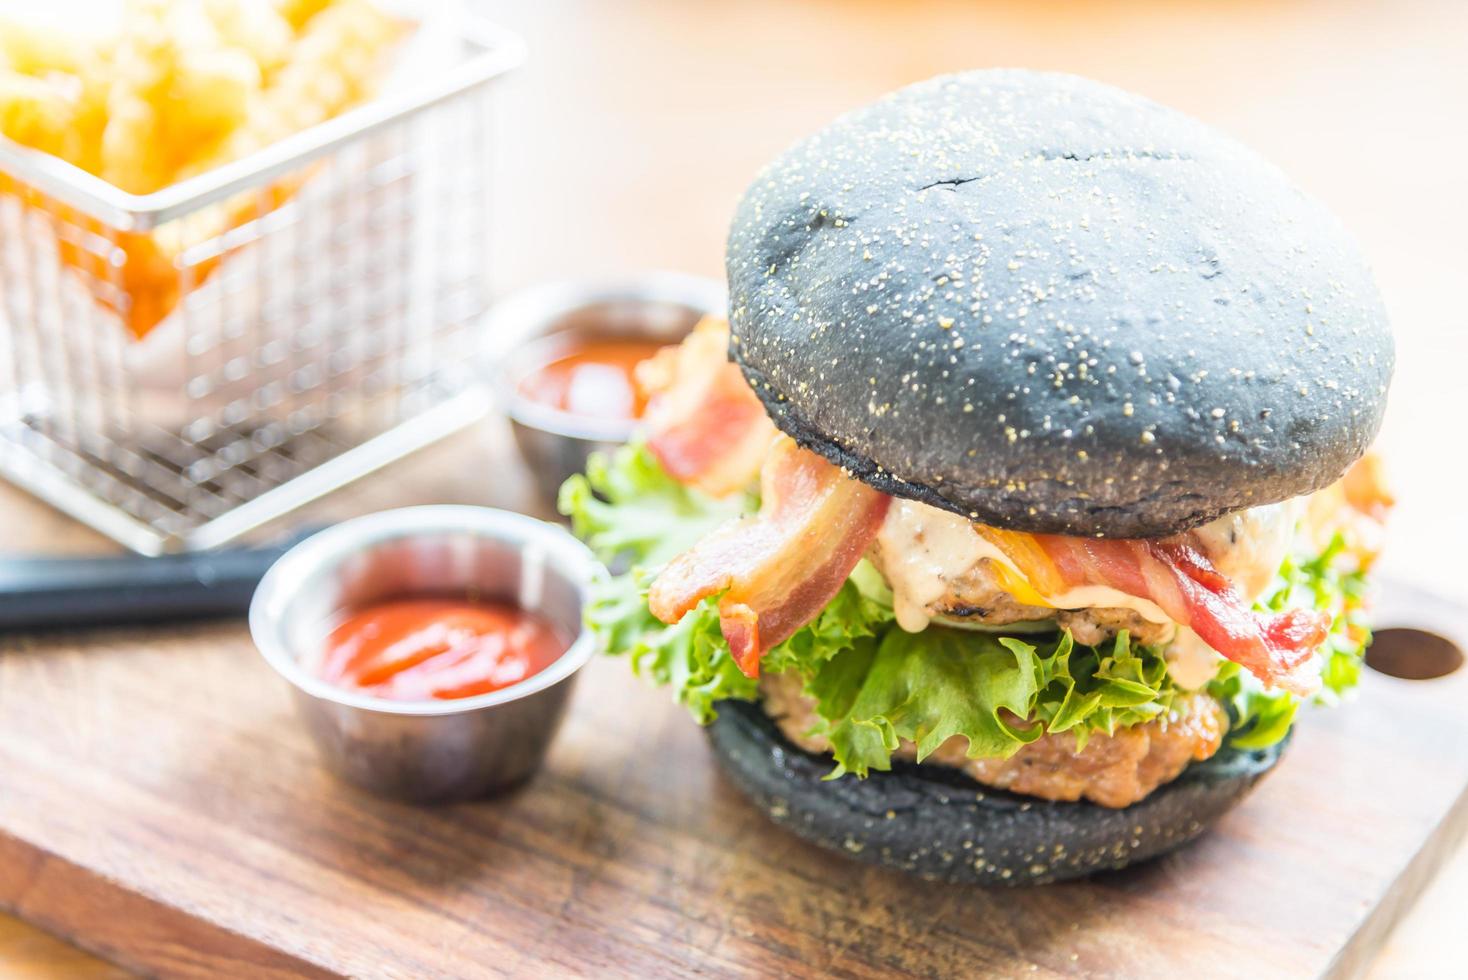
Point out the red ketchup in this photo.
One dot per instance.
(595, 379)
(432, 649)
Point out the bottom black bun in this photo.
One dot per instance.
(937, 823)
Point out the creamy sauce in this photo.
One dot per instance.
(1105, 597)
(1248, 547)
(922, 550)
(1191, 662)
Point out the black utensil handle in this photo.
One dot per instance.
(46, 593)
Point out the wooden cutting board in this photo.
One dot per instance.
(159, 805)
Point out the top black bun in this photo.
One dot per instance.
(1056, 307)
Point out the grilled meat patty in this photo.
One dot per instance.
(1112, 770)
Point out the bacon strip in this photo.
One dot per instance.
(1176, 575)
(779, 568)
(703, 423)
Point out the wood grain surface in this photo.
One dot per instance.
(160, 806)
(636, 124)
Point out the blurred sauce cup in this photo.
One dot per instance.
(551, 324)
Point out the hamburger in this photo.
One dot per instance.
(1021, 502)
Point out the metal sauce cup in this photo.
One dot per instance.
(426, 751)
(548, 321)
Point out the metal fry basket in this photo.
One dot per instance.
(179, 367)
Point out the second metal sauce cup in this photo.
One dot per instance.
(427, 751)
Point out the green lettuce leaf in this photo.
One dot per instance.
(875, 684)
(628, 510)
(850, 617)
(998, 692)
(691, 657)
(1257, 718)
(1260, 718)
(635, 517)
(631, 513)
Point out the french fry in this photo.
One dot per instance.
(255, 28)
(90, 119)
(31, 47)
(207, 98)
(298, 12)
(185, 86)
(332, 65)
(131, 157)
(35, 113)
(132, 154)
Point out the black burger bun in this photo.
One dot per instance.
(1054, 306)
(940, 824)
